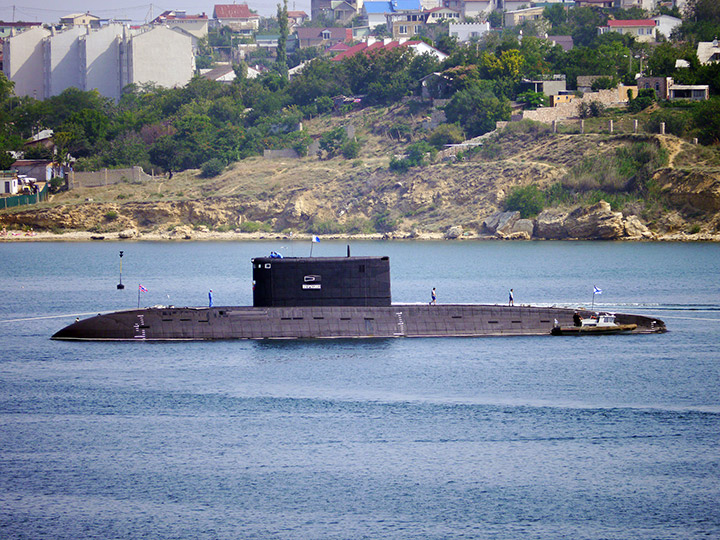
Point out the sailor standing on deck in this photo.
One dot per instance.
(433, 297)
(511, 299)
(210, 298)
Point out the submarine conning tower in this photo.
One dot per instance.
(321, 281)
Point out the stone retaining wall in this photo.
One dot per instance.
(609, 98)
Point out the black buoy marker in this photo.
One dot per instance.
(120, 285)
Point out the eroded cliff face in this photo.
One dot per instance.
(455, 199)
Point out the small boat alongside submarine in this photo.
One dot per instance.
(329, 297)
(600, 323)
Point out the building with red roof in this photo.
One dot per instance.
(238, 17)
(420, 47)
(640, 29)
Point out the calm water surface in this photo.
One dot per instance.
(612, 437)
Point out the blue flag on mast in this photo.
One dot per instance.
(596, 290)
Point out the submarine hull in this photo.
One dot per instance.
(317, 322)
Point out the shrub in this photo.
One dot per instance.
(417, 154)
(592, 109)
(676, 122)
(399, 165)
(384, 223)
(212, 168)
(253, 226)
(446, 134)
(331, 142)
(646, 97)
(350, 149)
(111, 215)
(324, 104)
(56, 184)
(527, 200)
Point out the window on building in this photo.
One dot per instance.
(402, 29)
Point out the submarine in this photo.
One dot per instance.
(329, 297)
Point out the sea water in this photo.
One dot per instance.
(594, 437)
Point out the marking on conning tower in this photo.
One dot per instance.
(400, 324)
(139, 330)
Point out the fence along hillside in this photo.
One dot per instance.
(107, 177)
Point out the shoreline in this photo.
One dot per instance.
(213, 236)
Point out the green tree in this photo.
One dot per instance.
(332, 141)
(707, 120)
(477, 110)
(702, 22)
(446, 134)
(533, 100)
(281, 60)
(555, 15)
(495, 19)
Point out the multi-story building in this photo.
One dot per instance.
(44, 63)
(61, 60)
(519, 16)
(197, 25)
(100, 58)
(23, 61)
(642, 30)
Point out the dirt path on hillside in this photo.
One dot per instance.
(674, 147)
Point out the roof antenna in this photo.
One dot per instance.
(348, 250)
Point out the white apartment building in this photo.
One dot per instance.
(44, 63)
(23, 61)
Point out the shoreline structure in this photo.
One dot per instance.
(214, 236)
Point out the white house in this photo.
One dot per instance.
(465, 32)
(9, 183)
(665, 24)
(708, 52)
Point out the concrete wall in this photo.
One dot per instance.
(161, 56)
(23, 62)
(107, 177)
(100, 59)
(287, 153)
(62, 61)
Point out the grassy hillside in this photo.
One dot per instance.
(670, 184)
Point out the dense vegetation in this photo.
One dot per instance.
(208, 125)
